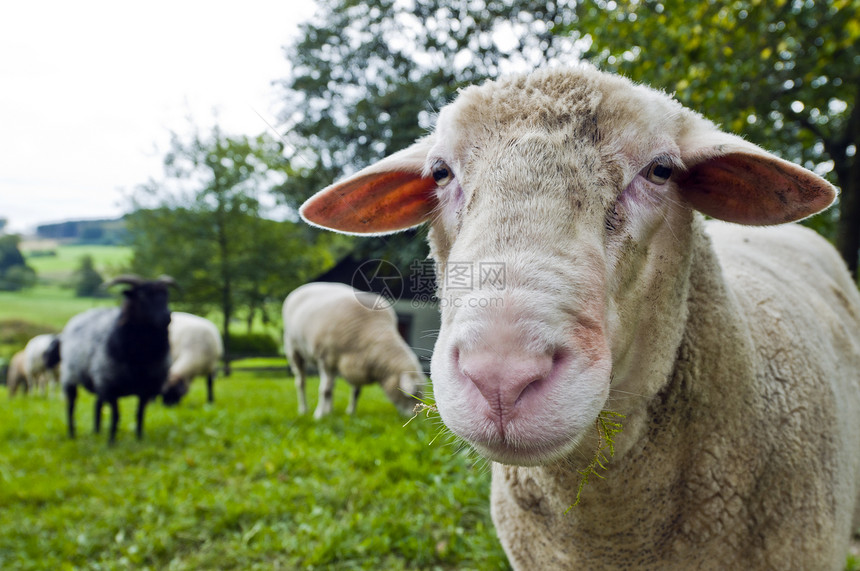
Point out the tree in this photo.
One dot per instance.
(281, 256)
(87, 280)
(367, 76)
(15, 274)
(785, 74)
(205, 226)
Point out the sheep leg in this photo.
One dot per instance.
(71, 394)
(97, 414)
(353, 399)
(298, 367)
(326, 389)
(300, 390)
(210, 396)
(141, 407)
(114, 420)
(52, 381)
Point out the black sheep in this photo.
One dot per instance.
(117, 352)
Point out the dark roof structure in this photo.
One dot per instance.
(383, 277)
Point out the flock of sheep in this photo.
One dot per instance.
(143, 349)
(140, 348)
(730, 352)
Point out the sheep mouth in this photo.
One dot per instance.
(172, 395)
(524, 451)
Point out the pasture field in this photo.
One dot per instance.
(244, 483)
(68, 257)
(52, 302)
(47, 305)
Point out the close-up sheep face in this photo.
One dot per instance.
(564, 196)
(148, 302)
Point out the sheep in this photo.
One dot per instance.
(195, 349)
(16, 377)
(116, 352)
(345, 331)
(731, 351)
(37, 373)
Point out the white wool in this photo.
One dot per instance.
(16, 377)
(342, 331)
(195, 349)
(34, 364)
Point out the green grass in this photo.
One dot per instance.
(244, 483)
(68, 258)
(261, 362)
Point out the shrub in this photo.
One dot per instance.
(17, 278)
(15, 274)
(253, 345)
(15, 333)
(42, 254)
(87, 280)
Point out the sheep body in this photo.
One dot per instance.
(351, 333)
(116, 352)
(713, 459)
(732, 352)
(16, 376)
(195, 349)
(34, 364)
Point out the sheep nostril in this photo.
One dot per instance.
(504, 379)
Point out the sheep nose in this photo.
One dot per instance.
(504, 379)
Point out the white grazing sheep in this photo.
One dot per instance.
(37, 373)
(195, 349)
(352, 333)
(16, 377)
(733, 353)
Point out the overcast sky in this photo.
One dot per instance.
(89, 92)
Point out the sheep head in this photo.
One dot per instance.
(145, 301)
(404, 389)
(174, 389)
(561, 206)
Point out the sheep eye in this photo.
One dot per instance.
(441, 173)
(659, 171)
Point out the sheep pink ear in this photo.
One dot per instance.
(388, 196)
(733, 180)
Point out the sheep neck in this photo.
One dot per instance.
(665, 432)
(138, 343)
(389, 365)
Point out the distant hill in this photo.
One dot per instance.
(107, 232)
